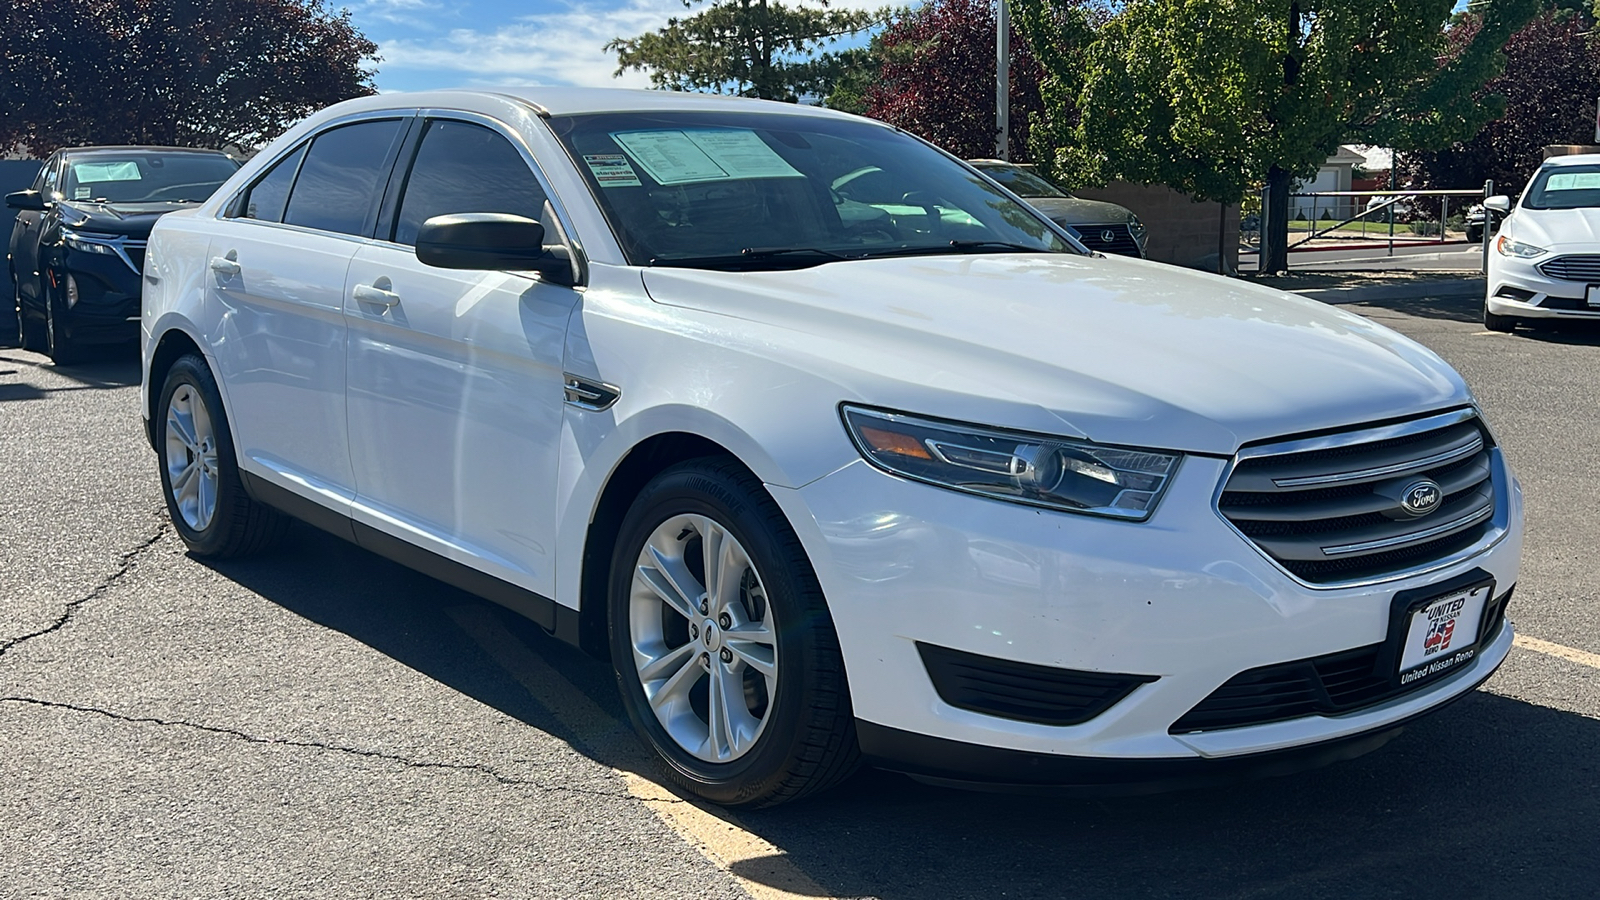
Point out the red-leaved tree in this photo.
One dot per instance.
(938, 78)
(1551, 80)
(204, 73)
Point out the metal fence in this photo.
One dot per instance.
(1372, 220)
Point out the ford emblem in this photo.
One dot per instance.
(1421, 497)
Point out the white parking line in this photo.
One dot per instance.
(718, 836)
(1560, 651)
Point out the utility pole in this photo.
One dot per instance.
(1002, 81)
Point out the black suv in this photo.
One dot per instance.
(77, 247)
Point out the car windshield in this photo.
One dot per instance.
(141, 177)
(759, 190)
(1022, 182)
(1565, 187)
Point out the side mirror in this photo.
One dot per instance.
(1500, 204)
(27, 200)
(491, 241)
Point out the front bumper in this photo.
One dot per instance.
(1181, 597)
(107, 309)
(1517, 288)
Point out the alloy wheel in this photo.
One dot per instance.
(191, 457)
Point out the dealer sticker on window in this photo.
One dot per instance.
(611, 170)
(1442, 635)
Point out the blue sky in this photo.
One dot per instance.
(451, 43)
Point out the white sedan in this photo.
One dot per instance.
(898, 474)
(1546, 258)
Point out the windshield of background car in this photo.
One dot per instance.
(145, 177)
(1565, 187)
(713, 189)
(1022, 182)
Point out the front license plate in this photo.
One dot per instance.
(1443, 634)
(1593, 295)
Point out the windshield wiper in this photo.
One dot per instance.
(960, 247)
(756, 258)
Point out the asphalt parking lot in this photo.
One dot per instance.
(319, 722)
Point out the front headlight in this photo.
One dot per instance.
(1137, 229)
(1508, 247)
(1075, 476)
(87, 244)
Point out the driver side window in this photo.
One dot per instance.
(461, 167)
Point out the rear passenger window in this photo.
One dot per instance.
(268, 196)
(341, 177)
(466, 168)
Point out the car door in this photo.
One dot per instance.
(26, 232)
(454, 377)
(278, 260)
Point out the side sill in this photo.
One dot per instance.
(548, 614)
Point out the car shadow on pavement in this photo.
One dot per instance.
(106, 368)
(1491, 797)
(1452, 309)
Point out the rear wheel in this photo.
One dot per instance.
(199, 475)
(724, 650)
(1496, 322)
(1474, 234)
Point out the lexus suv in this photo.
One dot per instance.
(1545, 262)
(1098, 225)
(898, 474)
(78, 242)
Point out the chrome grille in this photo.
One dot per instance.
(1573, 268)
(1331, 509)
(1094, 237)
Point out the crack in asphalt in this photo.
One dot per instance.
(125, 565)
(474, 768)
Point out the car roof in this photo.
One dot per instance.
(1577, 159)
(562, 101)
(137, 148)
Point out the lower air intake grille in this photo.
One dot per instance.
(1322, 685)
(1022, 691)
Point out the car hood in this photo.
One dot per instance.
(1114, 350)
(1555, 228)
(129, 219)
(1077, 211)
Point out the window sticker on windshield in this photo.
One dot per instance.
(81, 193)
(95, 173)
(1573, 181)
(611, 170)
(683, 157)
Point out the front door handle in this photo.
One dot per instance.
(371, 293)
(225, 266)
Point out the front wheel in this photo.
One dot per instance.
(199, 475)
(724, 650)
(61, 348)
(1497, 322)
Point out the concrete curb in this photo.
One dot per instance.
(1465, 286)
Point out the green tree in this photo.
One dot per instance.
(753, 48)
(205, 73)
(1215, 97)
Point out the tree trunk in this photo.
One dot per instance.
(1275, 224)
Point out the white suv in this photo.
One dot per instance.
(903, 475)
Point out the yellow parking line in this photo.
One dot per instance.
(1560, 651)
(718, 836)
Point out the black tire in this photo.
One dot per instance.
(31, 333)
(808, 741)
(11, 321)
(61, 348)
(1494, 322)
(1474, 234)
(239, 526)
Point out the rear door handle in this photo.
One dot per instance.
(224, 266)
(367, 293)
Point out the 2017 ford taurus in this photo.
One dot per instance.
(903, 475)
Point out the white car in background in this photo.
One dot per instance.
(1545, 261)
(898, 474)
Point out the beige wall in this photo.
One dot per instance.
(1569, 149)
(1182, 231)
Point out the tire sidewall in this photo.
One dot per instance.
(691, 489)
(191, 370)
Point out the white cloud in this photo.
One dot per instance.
(558, 48)
(418, 14)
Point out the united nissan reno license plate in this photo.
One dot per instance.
(1443, 634)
